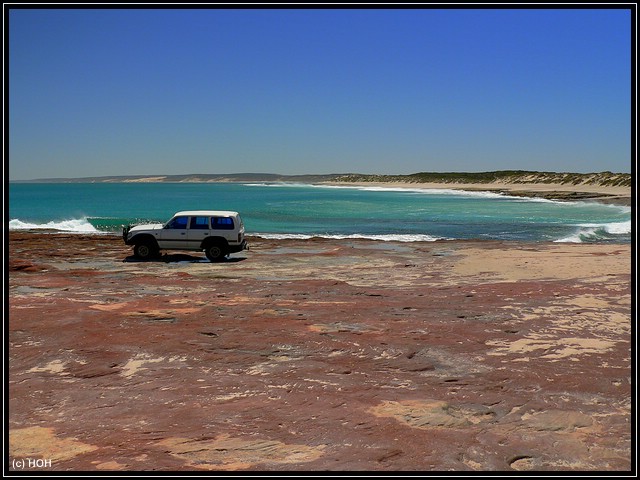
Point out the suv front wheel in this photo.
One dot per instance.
(144, 251)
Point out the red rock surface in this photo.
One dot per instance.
(319, 355)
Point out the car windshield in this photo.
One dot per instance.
(177, 222)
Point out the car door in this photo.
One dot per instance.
(198, 231)
(174, 233)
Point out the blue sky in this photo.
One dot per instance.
(175, 91)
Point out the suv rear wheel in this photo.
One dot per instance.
(215, 252)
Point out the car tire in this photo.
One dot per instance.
(144, 251)
(215, 252)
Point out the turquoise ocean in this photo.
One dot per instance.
(284, 210)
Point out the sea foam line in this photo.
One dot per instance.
(441, 191)
(354, 236)
(413, 190)
(424, 191)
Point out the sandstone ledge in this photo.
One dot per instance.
(320, 355)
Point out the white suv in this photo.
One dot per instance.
(218, 233)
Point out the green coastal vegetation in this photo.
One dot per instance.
(502, 176)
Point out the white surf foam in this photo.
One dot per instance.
(593, 232)
(386, 238)
(75, 225)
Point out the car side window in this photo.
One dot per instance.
(199, 223)
(222, 223)
(179, 223)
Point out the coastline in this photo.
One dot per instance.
(320, 355)
(604, 187)
(615, 195)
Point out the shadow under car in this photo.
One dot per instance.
(181, 257)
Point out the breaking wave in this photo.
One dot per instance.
(595, 233)
(80, 225)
